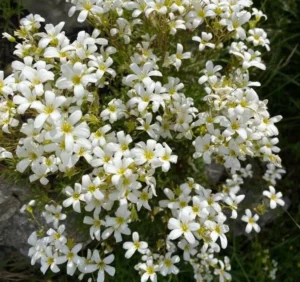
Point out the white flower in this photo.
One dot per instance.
(39, 172)
(122, 145)
(86, 7)
(72, 257)
(37, 248)
(4, 154)
(53, 214)
(70, 129)
(199, 207)
(4, 84)
(218, 229)
(150, 271)
(188, 249)
(57, 237)
(142, 75)
(176, 58)
(75, 196)
(175, 23)
(171, 199)
(134, 246)
(8, 37)
(235, 124)
(151, 129)
(75, 77)
(114, 111)
(223, 275)
(52, 33)
(167, 265)
(156, 5)
(102, 265)
(118, 225)
(251, 221)
(102, 156)
(197, 16)
(38, 76)
(119, 168)
(30, 153)
(203, 148)
(51, 259)
(146, 153)
(32, 21)
(26, 99)
(275, 198)
(101, 66)
(143, 198)
(49, 109)
(236, 21)
(258, 14)
(259, 37)
(96, 223)
(204, 41)
(91, 187)
(232, 201)
(100, 137)
(210, 73)
(183, 225)
(251, 59)
(145, 96)
(165, 156)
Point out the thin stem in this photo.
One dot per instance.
(243, 270)
(292, 219)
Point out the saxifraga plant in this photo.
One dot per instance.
(118, 125)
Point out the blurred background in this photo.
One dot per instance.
(252, 258)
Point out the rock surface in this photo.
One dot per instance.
(14, 226)
(54, 11)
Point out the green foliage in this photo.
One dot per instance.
(280, 85)
(10, 14)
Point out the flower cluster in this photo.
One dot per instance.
(112, 114)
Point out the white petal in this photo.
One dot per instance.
(82, 16)
(110, 270)
(176, 233)
(130, 252)
(40, 120)
(189, 237)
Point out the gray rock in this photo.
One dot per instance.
(54, 11)
(14, 226)
(214, 172)
(8, 208)
(15, 232)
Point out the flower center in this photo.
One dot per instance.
(76, 79)
(168, 263)
(112, 108)
(148, 155)
(150, 270)
(144, 196)
(184, 227)
(70, 256)
(251, 220)
(49, 109)
(50, 260)
(66, 128)
(92, 188)
(120, 220)
(137, 245)
(76, 196)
